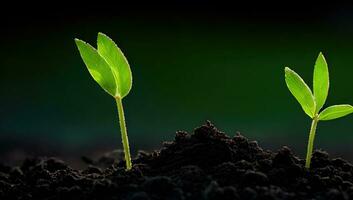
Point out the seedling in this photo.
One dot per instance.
(312, 103)
(110, 69)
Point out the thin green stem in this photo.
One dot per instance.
(311, 142)
(124, 137)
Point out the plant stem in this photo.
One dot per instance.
(124, 137)
(311, 142)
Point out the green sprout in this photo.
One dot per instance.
(110, 69)
(312, 103)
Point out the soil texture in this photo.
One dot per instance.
(204, 165)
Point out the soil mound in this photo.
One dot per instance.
(204, 165)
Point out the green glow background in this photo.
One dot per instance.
(185, 71)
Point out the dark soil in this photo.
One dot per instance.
(204, 165)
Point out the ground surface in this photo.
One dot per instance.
(204, 165)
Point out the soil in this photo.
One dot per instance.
(204, 165)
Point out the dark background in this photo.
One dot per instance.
(190, 62)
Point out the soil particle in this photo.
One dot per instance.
(205, 165)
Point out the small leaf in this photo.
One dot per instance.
(97, 67)
(320, 82)
(300, 91)
(117, 62)
(336, 111)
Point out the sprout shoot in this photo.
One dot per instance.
(313, 102)
(110, 69)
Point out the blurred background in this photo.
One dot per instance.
(190, 63)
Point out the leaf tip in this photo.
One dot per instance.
(287, 70)
(100, 34)
(321, 56)
(103, 35)
(79, 42)
(351, 107)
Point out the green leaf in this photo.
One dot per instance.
(300, 91)
(117, 62)
(334, 112)
(97, 67)
(320, 82)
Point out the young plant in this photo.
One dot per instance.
(110, 69)
(312, 103)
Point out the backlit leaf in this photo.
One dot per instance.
(300, 91)
(97, 67)
(117, 62)
(336, 111)
(320, 82)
